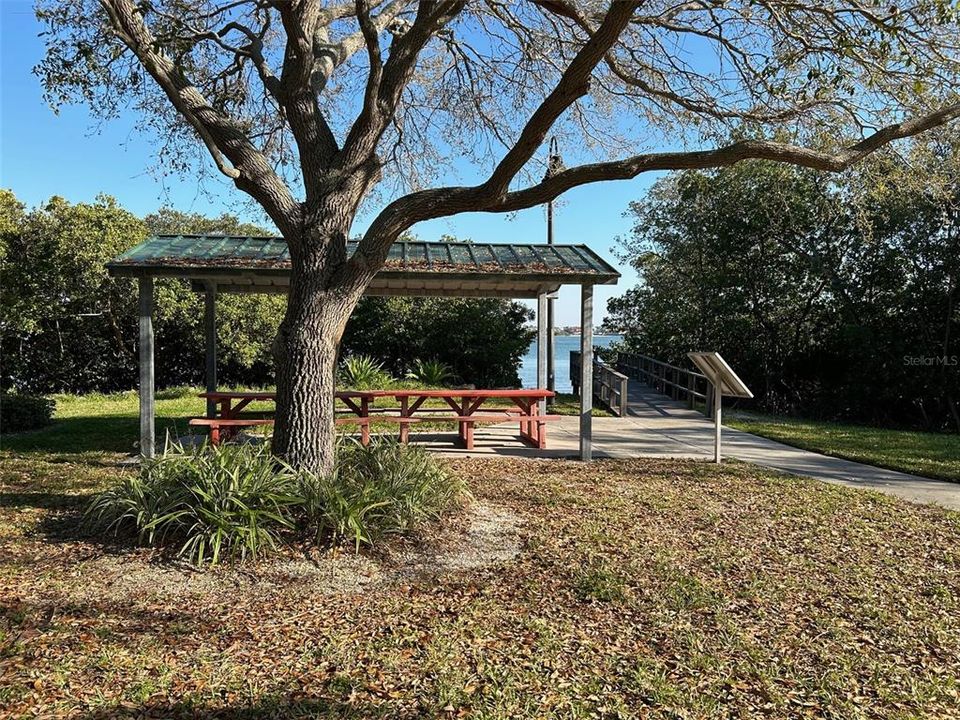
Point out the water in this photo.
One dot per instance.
(563, 344)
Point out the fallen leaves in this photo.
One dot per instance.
(641, 589)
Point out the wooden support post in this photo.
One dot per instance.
(365, 427)
(575, 372)
(717, 403)
(210, 337)
(551, 346)
(551, 383)
(542, 347)
(624, 394)
(586, 372)
(404, 427)
(147, 423)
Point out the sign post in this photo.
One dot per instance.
(725, 382)
(717, 424)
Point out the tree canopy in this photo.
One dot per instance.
(837, 299)
(67, 326)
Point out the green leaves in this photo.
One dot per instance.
(68, 326)
(232, 501)
(430, 372)
(382, 489)
(481, 340)
(24, 412)
(239, 502)
(828, 293)
(362, 372)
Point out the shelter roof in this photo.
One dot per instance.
(262, 264)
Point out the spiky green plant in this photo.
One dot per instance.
(239, 501)
(430, 372)
(233, 500)
(378, 490)
(362, 372)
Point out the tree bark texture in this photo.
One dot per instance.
(321, 299)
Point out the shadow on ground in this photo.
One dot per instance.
(94, 434)
(280, 706)
(42, 500)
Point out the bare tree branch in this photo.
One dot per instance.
(442, 202)
(570, 10)
(254, 50)
(574, 84)
(316, 143)
(372, 39)
(360, 146)
(225, 140)
(327, 56)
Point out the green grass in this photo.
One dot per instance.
(641, 588)
(568, 404)
(935, 455)
(105, 424)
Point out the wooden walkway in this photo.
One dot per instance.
(656, 426)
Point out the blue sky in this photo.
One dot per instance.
(74, 156)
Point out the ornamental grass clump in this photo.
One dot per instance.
(382, 489)
(433, 373)
(232, 501)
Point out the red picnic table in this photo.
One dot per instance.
(466, 405)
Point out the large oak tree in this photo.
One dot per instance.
(313, 107)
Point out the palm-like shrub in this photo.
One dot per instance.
(233, 501)
(362, 372)
(430, 372)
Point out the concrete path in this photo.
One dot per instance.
(659, 427)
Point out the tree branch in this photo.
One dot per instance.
(316, 144)
(358, 160)
(372, 38)
(710, 108)
(255, 52)
(328, 56)
(404, 212)
(573, 84)
(228, 144)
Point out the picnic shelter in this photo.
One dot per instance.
(217, 264)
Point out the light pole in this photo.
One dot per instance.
(554, 166)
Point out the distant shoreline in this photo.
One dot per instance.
(564, 344)
(596, 335)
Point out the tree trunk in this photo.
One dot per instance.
(306, 349)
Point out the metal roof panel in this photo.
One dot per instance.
(218, 255)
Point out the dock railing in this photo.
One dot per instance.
(609, 386)
(675, 382)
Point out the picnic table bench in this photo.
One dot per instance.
(360, 409)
